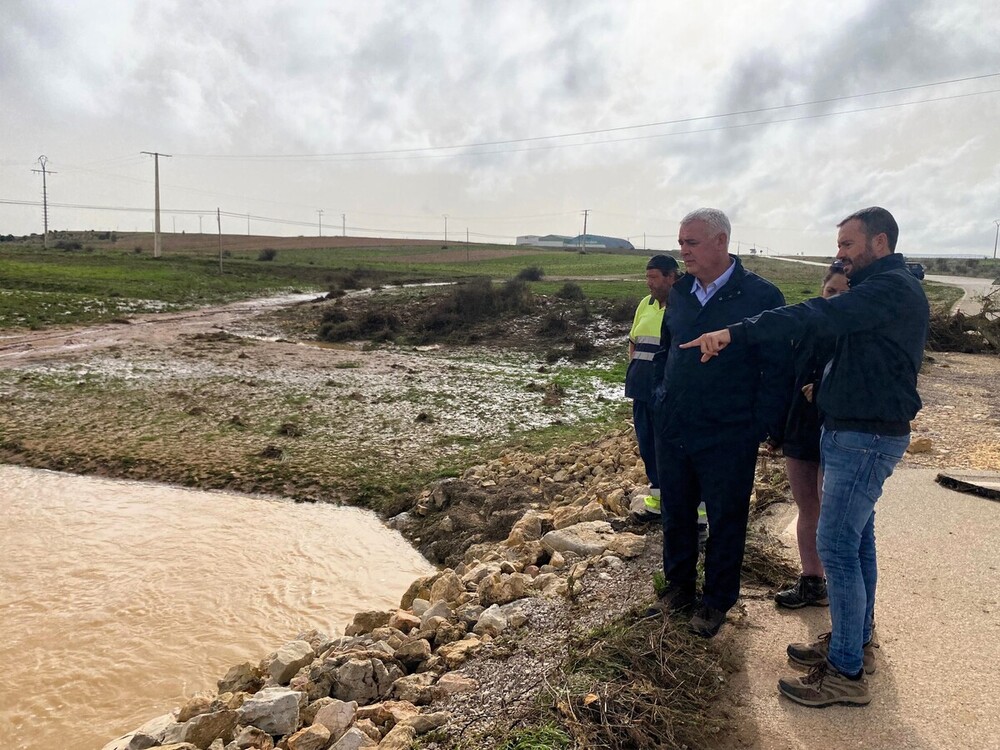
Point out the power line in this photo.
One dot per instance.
(244, 215)
(600, 131)
(346, 159)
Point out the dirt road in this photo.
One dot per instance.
(151, 329)
(938, 616)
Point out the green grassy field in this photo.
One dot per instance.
(103, 280)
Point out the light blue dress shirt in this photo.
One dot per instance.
(705, 293)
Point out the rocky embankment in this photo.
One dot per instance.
(520, 536)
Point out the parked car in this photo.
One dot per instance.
(916, 269)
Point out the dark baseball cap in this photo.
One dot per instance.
(662, 263)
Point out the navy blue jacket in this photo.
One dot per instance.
(743, 393)
(870, 384)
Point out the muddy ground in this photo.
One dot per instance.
(245, 397)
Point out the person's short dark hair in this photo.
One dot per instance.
(662, 263)
(876, 220)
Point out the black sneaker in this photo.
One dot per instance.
(808, 591)
(707, 621)
(676, 600)
(645, 516)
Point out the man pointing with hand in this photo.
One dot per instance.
(868, 395)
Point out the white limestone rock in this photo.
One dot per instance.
(289, 659)
(273, 709)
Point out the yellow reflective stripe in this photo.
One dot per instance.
(655, 340)
(647, 356)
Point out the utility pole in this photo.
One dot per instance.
(583, 237)
(644, 242)
(218, 219)
(737, 248)
(468, 254)
(319, 212)
(343, 225)
(43, 160)
(199, 223)
(445, 227)
(156, 224)
(248, 224)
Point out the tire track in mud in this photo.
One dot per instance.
(162, 328)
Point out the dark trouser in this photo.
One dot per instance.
(721, 476)
(645, 435)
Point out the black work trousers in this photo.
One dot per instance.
(721, 476)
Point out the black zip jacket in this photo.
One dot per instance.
(743, 393)
(870, 384)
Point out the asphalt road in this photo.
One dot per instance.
(974, 288)
(938, 621)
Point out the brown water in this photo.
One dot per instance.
(117, 599)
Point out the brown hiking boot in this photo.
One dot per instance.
(825, 686)
(812, 654)
(808, 591)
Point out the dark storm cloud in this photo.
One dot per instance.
(103, 78)
(463, 81)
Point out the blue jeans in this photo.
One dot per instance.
(855, 465)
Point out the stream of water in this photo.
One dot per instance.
(118, 599)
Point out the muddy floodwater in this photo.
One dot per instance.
(117, 599)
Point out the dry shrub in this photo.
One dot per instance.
(374, 324)
(474, 302)
(765, 561)
(970, 334)
(554, 395)
(290, 429)
(623, 311)
(640, 683)
(554, 324)
(571, 291)
(584, 350)
(531, 273)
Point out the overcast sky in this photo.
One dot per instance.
(371, 109)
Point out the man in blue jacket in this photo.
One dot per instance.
(710, 421)
(868, 396)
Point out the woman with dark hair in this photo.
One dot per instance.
(801, 450)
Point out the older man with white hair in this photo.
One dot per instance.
(711, 419)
